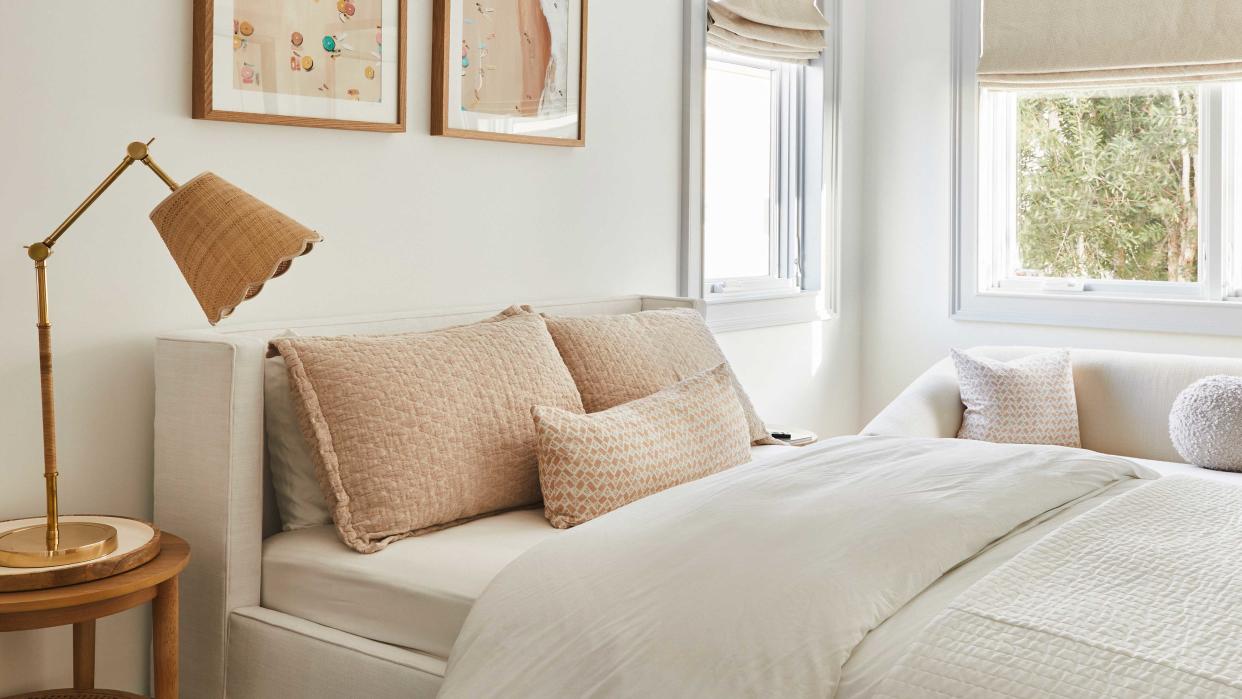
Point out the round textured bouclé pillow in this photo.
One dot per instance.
(1206, 423)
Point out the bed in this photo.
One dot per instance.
(266, 613)
(212, 487)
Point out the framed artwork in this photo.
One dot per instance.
(510, 70)
(330, 63)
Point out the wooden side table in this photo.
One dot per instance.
(82, 604)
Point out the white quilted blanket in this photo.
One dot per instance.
(1141, 597)
(758, 581)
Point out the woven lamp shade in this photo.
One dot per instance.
(227, 243)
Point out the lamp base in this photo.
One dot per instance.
(26, 547)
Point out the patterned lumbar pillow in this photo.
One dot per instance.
(592, 464)
(615, 359)
(1206, 423)
(1025, 401)
(414, 432)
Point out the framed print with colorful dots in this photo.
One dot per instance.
(328, 63)
(510, 70)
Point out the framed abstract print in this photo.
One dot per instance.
(329, 63)
(510, 70)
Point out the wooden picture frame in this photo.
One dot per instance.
(447, 54)
(207, 99)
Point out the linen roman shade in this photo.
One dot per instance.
(1056, 44)
(783, 30)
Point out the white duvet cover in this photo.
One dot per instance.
(1141, 597)
(761, 580)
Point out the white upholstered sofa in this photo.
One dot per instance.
(1124, 400)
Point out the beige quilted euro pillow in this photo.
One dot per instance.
(1029, 400)
(411, 433)
(616, 359)
(590, 465)
(299, 499)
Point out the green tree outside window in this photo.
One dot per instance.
(1107, 185)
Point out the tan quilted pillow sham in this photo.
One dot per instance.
(299, 499)
(616, 359)
(414, 432)
(592, 464)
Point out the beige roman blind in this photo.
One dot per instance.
(783, 30)
(1052, 44)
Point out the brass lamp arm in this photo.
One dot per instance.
(227, 244)
(135, 152)
(39, 252)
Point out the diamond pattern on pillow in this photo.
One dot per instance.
(590, 465)
(616, 359)
(1029, 400)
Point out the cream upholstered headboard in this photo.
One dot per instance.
(209, 457)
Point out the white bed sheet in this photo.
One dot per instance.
(415, 593)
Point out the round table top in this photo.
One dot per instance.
(78, 694)
(172, 559)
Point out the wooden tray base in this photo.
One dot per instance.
(137, 543)
(79, 694)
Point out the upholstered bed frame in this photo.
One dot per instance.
(211, 487)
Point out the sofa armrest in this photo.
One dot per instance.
(929, 407)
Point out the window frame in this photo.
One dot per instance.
(765, 301)
(998, 150)
(981, 294)
(783, 237)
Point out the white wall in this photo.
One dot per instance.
(808, 375)
(906, 255)
(411, 221)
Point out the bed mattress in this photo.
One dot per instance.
(417, 592)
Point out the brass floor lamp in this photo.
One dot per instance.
(227, 244)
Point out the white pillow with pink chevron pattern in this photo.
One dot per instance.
(1025, 401)
(590, 465)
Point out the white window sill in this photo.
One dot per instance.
(1105, 311)
(762, 309)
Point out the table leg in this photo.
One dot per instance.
(164, 639)
(84, 655)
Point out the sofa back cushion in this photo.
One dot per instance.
(1124, 398)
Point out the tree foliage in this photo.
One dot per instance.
(1107, 185)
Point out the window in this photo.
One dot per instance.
(752, 160)
(1092, 191)
(1106, 185)
(1095, 206)
(759, 218)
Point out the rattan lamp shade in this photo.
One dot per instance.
(227, 243)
